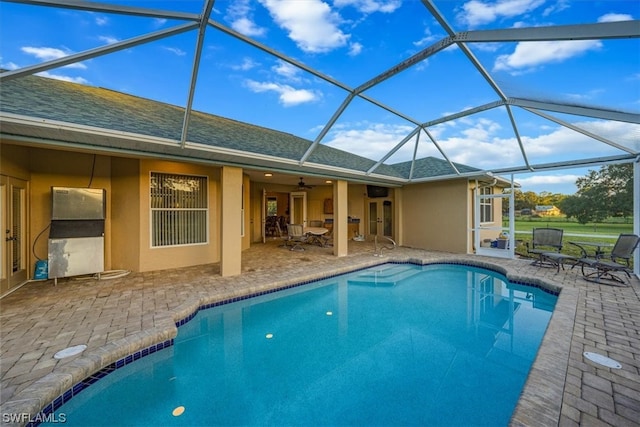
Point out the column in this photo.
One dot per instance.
(340, 218)
(231, 221)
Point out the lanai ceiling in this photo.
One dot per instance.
(511, 86)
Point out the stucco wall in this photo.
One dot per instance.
(125, 214)
(434, 215)
(14, 161)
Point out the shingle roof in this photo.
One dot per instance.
(56, 100)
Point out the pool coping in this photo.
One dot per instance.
(539, 403)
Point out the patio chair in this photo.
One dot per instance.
(619, 261)
(327, 239)
(282, 236)
(296, 236)
(545, 241)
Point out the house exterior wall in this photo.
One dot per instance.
(127, 225)
(125, 216)
(14, 161)
(434, 215)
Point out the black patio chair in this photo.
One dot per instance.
(619, 261)
(545, 240)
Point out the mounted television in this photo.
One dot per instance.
(376, 191)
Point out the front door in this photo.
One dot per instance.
(380, 218)
(13, 220)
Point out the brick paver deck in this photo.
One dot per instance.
(117, 316)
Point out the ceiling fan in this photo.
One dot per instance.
(303, 186)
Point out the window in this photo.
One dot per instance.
(179, 209)
(486, 205)
(272, 206)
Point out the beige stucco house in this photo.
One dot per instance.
(176, 202)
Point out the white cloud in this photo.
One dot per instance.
(49, 75)
(247, 27)
(529, 55)
(175, 50)
(9, 66)
(427, 39)
(481, 142)
(311, 24)
(102, 21)
(355, 49)
(370, 140)
(476, 12)
(615, 17)
(557, 6)
(287, 70)
(108, 39)
(288, 96)
(49, 54)
(546, 180)
(370, 6)
(240, 14)
(159, 22)
(246, 65)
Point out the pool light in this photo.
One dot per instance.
(178, 411)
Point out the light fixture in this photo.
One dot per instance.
(328, 181)
(268, 174)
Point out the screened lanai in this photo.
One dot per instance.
(509, 87)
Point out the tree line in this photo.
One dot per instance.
(601, 194)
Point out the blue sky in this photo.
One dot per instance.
(353, 41)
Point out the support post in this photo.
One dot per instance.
(340, 218)
(231, 221)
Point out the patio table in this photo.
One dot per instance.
(314, 234)
(597, 247)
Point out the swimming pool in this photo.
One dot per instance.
(397, 344)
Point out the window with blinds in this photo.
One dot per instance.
(179, 209)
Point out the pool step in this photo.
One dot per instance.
(386, 276)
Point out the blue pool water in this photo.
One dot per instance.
(397, 344)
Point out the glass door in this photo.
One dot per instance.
(380, 218)
(13, 220)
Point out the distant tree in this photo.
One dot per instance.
(601, 194)
(530, 199)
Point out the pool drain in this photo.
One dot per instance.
(602, 360)
(70, 351)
